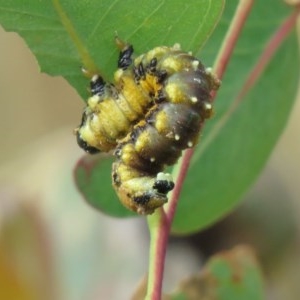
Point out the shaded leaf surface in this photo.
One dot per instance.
(92, 174)
(229, 275)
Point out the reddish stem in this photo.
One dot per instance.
(159, 231)
(163, 220)
(171, 208)
(272, 46)
(233, 33)
(160, 241)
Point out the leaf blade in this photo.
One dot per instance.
(145, 25)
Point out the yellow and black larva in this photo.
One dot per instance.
(154, 111)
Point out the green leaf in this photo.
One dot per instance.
(231, 275)
(66, 35)
(92, 175)
(223, 169)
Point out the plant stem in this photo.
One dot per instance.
(159, 233)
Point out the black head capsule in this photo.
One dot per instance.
(163, 183)
(163, 186)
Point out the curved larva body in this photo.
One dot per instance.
(157, 141)
(155, 110)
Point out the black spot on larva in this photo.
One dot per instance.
(160, 97)
(152, 65)
(139, 72)
(97, 85)
(161, 76)
(125, 59)
(142, 200)
(85, 146)
(116, 179)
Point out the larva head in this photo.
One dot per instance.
(142, 194)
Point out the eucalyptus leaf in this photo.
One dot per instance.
(230, 275)
(65, 35)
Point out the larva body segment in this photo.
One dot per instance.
(112, 109)
(154, 111)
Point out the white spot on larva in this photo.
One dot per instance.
(194, 99)
(177, 137)
(95, 78)
(195, 64)
(198, 80)
(208, 70)
(207, 106)
(164, 176)
(152, 159)
(94, 100)
(176, 46)
(190, 144)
